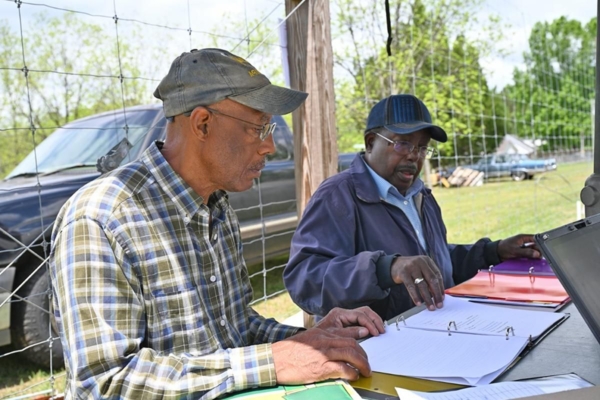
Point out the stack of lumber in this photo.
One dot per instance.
(463, 177)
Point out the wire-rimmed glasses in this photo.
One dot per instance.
(263, 131)
(403, 147)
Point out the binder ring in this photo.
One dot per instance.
(508, 330)
(531, 275)
(449, 325)
(401, 318)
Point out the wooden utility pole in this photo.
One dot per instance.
(310, 58)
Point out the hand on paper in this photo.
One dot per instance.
(316, 355)
(356, 323)
(512, 247)
(422, 279)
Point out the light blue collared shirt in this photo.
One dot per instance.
(391, 195)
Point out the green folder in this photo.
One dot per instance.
(329, 390)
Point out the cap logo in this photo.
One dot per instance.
(253, 72)
(239, 59)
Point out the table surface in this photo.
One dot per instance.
(571, 347)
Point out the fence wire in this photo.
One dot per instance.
(120, 72)
(49, 82)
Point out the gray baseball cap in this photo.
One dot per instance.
(206, 76)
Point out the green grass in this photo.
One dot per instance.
(498, 209)
(17, 375)
(502, 208)
(280, 306)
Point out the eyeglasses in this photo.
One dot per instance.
(263, 131)
(407, 147)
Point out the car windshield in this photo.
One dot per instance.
(81, 143)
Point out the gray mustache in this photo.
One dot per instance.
(407, 168)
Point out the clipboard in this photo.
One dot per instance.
(381, 386)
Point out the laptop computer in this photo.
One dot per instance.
(573, 251)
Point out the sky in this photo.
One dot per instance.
(522, 15)
(206, 15)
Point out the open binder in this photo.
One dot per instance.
(534, 288)
(471, 343)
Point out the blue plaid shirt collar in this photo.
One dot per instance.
(187, 200)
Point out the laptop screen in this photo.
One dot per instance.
(574, 253)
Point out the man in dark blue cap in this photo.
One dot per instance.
(374, 235)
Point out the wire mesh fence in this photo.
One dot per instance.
(98, 61)
(545, 113)
(101, 61)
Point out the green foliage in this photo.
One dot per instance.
(551, 98)
(73, 71)
(431, 58)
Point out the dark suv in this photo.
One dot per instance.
(33, 193)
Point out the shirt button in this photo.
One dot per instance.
(405, 202)
(213, 278)
(187, 220)
(222, 322)
(214, 237)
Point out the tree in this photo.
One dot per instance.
(431, 58)
(73, 70)
(551, 97)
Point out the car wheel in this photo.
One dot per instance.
(32, 322)
(519, 176)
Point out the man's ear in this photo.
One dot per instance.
(199, 120)
(369, 138)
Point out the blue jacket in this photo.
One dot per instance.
(345, 243)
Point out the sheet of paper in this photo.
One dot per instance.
(503, 390)
(496, 391)
(459, 358)
(483, 319)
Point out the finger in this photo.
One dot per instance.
(423, 288)
(530, 252)
(354, 332)
(436, 284)
(373, 316)
(352, 356)
(338, 369)
(330, 320)
(525, 238)
(361, 318)
(337, 341)
(413, 292)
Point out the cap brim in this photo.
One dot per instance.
(436, 132)
(272, 99)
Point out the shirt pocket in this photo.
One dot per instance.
(178, 323)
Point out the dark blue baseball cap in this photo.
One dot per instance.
(403, 114)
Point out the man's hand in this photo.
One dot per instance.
(316, 355)
(356, 323)
(512, 248)
(422, 278)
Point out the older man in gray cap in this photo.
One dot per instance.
(150, 288)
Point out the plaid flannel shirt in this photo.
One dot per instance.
(151, 297)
